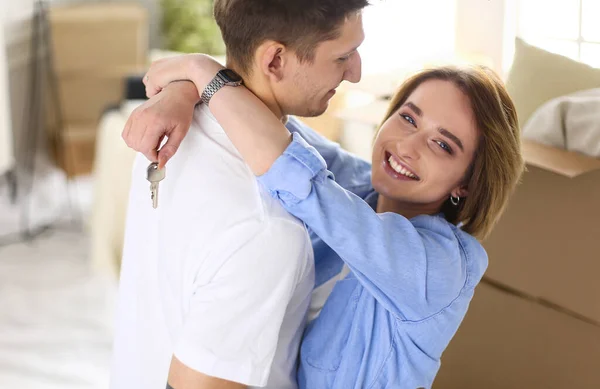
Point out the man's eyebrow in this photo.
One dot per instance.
(452, 137)
(349, 52)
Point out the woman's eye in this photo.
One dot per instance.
(444, 146)
(344, 58)
(409, 119)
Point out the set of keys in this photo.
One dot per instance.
(155, 176)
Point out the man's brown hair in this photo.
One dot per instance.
(298, 24)
(498, 164)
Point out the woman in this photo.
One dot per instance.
(445, 161)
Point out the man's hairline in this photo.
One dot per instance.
(311, 58)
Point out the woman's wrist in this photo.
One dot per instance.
(185, 89)
(202, 70)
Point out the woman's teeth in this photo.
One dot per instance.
(399, 169)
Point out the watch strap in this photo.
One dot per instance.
(213, 86)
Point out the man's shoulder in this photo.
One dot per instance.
(277, 244)
(285, 244)
(279, 235)
(204, 120)
(269, 227)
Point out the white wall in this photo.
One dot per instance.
(404, 33)
(480, 31)
(6, 133)
(15, 23)
(400, 31)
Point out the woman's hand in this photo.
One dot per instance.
(170, 109)
(252, 127)
(198, 68)
(167, 114)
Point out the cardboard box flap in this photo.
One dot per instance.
(97, 12)
(563, 162)
(120, 71)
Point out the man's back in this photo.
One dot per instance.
(219, 275)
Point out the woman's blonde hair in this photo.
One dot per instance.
(498, 164)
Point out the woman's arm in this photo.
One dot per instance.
(414, 268)
(350, 171)
(253, 129)
(170, 115)
(257, 134)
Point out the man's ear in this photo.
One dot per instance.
(272, 58)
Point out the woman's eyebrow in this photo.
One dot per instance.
(452, 137)
(442, 131)
(412, 106)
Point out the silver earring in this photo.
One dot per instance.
(454, 200)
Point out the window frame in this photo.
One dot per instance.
(579, 41)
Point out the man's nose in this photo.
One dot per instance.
(353, 73)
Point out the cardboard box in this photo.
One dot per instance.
(73, 149)
(509, 342)
(106, 35)
(83, 98)
(546, 243)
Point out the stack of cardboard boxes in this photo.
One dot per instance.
(535, 319)
(95, 46)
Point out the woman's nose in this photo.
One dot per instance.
(410, 146)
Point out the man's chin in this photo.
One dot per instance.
(317, 111)
(308, 111)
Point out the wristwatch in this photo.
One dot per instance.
(225, 77)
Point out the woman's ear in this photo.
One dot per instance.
(271, 58)
(460, 191)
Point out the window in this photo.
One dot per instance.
(566, 27)
(406, 33)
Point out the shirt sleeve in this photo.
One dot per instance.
(233, 323)
(350, 171)
(414, 268)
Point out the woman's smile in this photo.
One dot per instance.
(398, 169)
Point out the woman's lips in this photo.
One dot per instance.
(405, 174)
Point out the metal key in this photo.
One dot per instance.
(155, 176)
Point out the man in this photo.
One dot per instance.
(216, 282)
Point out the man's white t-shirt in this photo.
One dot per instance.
(220, 275)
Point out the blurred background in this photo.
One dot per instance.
(70, 74)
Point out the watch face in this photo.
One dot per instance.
(229, 75)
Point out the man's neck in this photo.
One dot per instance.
(263, 92)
